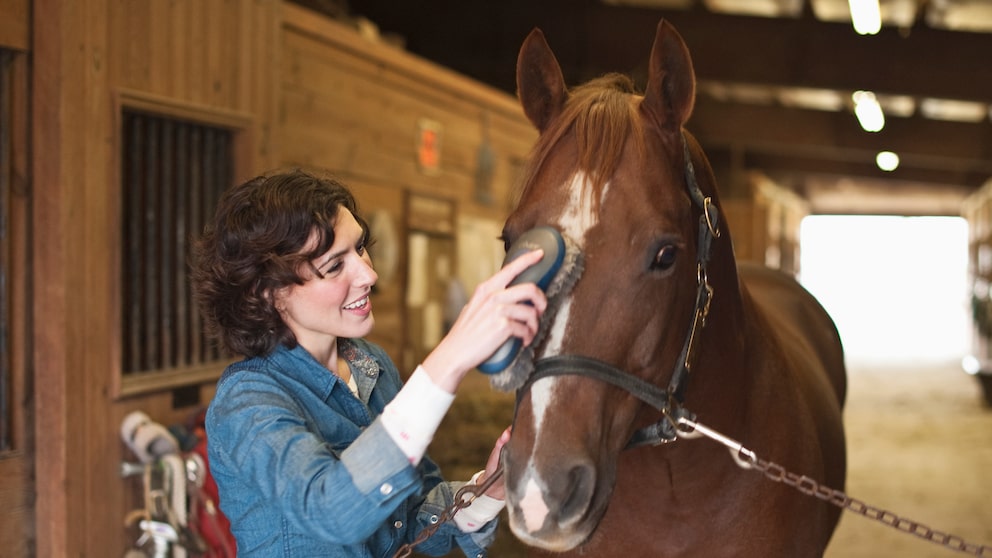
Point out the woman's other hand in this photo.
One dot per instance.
(498, 489)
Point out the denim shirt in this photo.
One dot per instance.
(305, 468)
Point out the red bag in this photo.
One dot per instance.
(206, 518)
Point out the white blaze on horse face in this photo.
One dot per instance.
(578, 216)
(574, 222)
(533, 507)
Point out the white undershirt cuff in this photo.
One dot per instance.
(482, 510)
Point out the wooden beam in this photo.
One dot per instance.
(481, 39)
(15, 24)
(804, 52)
(923, 143)
(777, 163)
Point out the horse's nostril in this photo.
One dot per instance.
(577, 493)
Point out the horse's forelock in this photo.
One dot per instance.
(602, 118)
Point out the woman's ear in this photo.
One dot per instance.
(277, 298)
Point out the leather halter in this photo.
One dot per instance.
(668, 401)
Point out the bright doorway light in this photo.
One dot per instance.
(866, 16)
(896, 287)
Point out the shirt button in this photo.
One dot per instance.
(386, 489)
(434, 519)
(398, 524)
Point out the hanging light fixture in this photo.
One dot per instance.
(887, 161)
(866, 15)
(868, 111)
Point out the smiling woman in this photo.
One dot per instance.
(315, 417)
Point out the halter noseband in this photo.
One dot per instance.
(669, 401)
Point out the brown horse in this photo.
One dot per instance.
(661, 302)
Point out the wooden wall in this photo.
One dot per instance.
(209, 57)
(977, 210)
(764, 219)
(16, 491)
(300, 90)
(352, 105)
(15, 25)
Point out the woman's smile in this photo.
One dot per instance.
(361, 306)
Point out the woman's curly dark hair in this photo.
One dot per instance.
(254, 246)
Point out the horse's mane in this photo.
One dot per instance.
(601, 117)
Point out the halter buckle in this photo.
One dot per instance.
(711, 215)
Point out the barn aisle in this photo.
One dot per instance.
(919, 441)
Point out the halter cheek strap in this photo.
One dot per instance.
(709, 221)
(667, 401)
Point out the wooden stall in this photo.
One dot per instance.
(977, 210)
(230, 88)
(765, 219)
(431, 155)
(16, 519)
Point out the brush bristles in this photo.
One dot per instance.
(515, 375)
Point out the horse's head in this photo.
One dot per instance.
(609, 170)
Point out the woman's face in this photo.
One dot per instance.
(334, 302)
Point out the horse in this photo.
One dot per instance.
(660, 301)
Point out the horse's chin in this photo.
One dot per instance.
(548, 532)
(558, 506)
(550, 537)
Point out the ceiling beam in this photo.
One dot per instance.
(481, 38)
(779, 163)
(921, 61)
(961, 148)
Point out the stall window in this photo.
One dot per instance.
(173, 172)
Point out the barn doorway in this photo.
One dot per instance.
(897, 287)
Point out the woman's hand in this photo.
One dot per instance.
(493, 314)
(498, 489)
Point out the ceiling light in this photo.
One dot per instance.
(810, 98)
(956, 111)
(868, 111)
(866, 16)
(763, 8)
(887, 161)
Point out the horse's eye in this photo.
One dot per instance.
(665, 258)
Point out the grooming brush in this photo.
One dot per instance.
(555, 274)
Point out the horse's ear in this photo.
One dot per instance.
(671, 88)
(540, 84)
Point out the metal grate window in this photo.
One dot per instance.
(173, 173)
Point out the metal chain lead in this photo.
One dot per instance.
(748, 459)
(463, 499)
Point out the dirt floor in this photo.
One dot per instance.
(919, 445)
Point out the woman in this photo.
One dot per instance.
(316, 446)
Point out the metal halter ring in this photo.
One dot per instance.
(707, 204)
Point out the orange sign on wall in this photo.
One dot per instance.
(429, 146)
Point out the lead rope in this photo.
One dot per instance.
(748, 459)
(463, 499)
